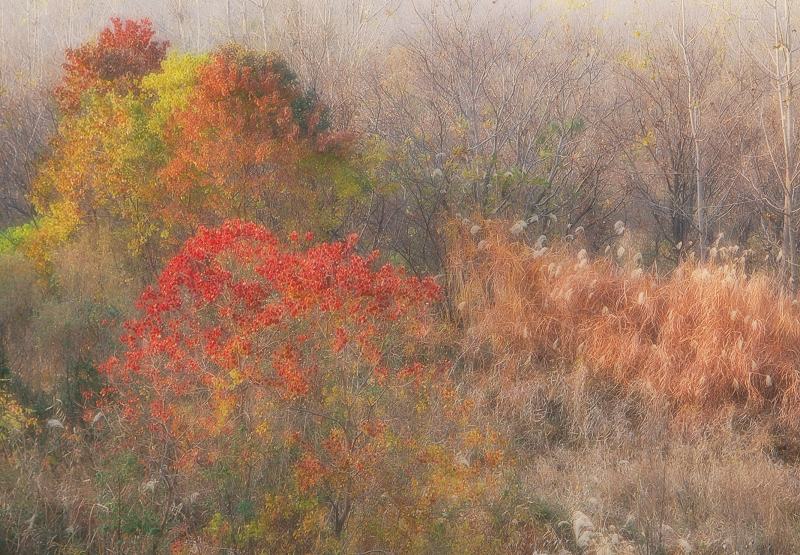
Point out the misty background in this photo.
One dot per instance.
(621, 90)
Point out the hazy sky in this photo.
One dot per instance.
(34, 33)
(43, 28)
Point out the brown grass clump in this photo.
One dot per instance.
(704, 337)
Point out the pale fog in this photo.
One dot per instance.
(35, 33)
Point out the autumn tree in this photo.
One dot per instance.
(253, 144)
(159, 147)
(122, 54)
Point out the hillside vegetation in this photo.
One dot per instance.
(236, 318)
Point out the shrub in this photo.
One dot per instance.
(303, 373)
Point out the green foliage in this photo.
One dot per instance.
(12, 238)
(126, 512)
(14, 419)
(304, 107)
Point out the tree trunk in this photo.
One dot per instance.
(228, 20)
(784, 67)
(264, 24)
(694, 125)
(179, 15)
(197, 25)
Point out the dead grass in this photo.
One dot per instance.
(664, 408)
(720, 496)
(706, 338)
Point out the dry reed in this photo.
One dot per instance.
(704, 336)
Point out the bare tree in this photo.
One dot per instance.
(329, 43)
(25, 124)
(262, 6)
(178, 9)
(771, 25)
(684, 167)
(229, 20)
(784, 76)
(475, 115)
(198, 28)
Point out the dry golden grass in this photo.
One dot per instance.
(704, 337)
(722, 494)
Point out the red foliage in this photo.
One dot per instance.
(238, 311)
(116, 61)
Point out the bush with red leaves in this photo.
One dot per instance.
(248, 347)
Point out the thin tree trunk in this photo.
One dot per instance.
(71, 23)
(264, 24)
(784, 68)
(694, 125)
(244, 24)
(181, 29)
(228, 20)
(197, 25)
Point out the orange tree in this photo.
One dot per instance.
(303, 373)
(253, 144)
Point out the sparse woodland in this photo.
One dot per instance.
(393, 276)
